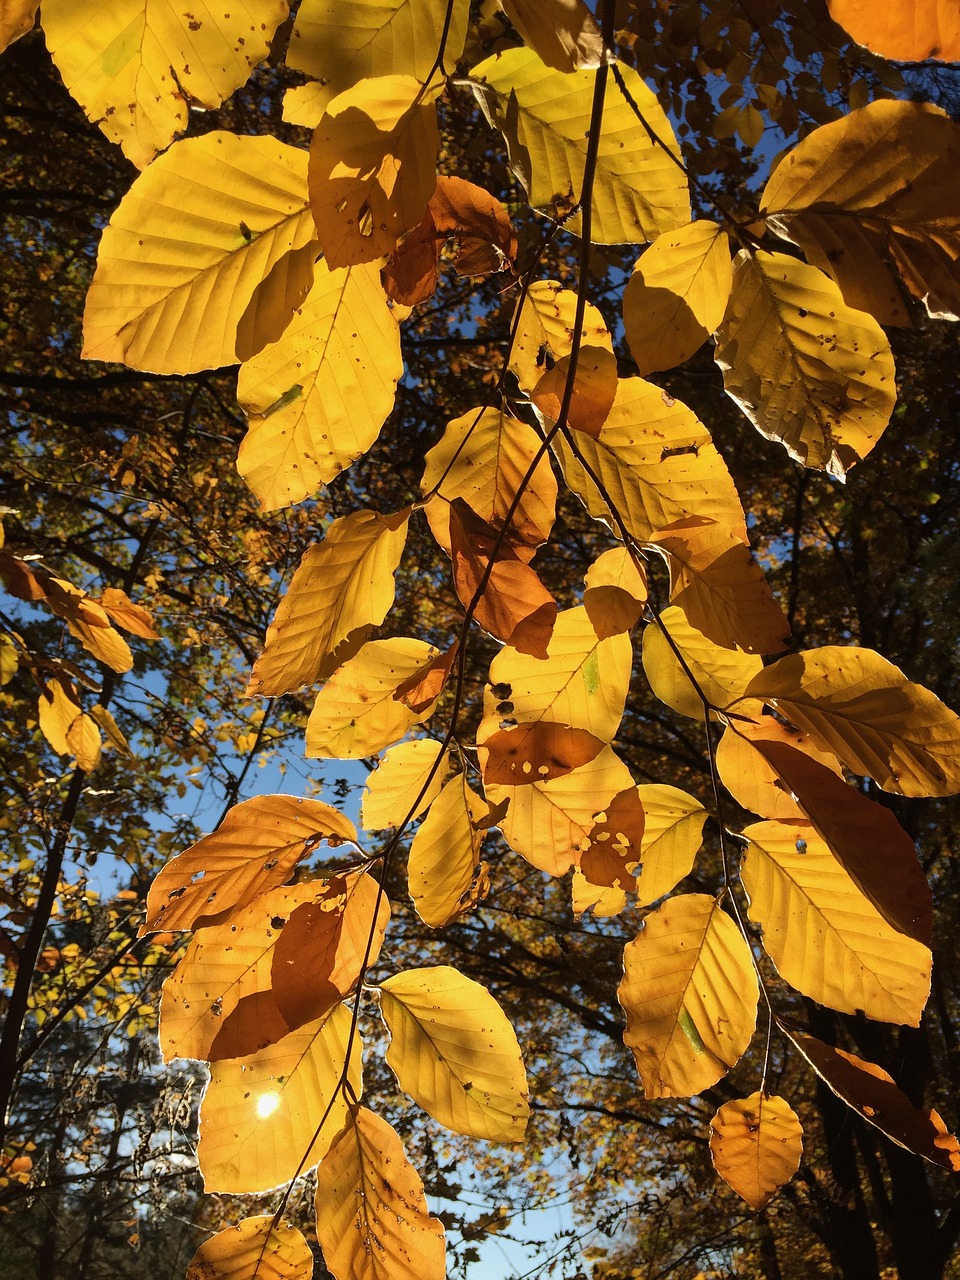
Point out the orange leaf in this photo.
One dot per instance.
(756, 1144)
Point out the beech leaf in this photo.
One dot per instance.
(756, 1144)
(255, 1249)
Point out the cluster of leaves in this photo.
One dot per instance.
(303, 265)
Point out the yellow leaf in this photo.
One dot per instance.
(825, 937)
(639, 190)
(874, 195)
(483, 457)
(671, 839)
(132, 617)
(398, 790)
(615, 592)
(9, 660)
(16, 19)
(656, 462)
(357, 712)
(317, 398)
(751, 779)
(871, 1092)
(720, 673)
(904, 30)
(861, 707)
(545, 329)
(454, 1052)
(58, 707)
(372, 1217)
(592, 394)
(255, 1249)
(343, 588)
(445, 854)
(690, 994)
(563, 33)
(551, 823)
(134, 67)
(805, 368)
(84, 742)
(89, 623)
(183, 256)
(264, 1116)
(273, 966)
(373, 167)
(756, 1144)
(602, 900)
(342, 43)
(677, 295)
(255, 848)
(720, 587)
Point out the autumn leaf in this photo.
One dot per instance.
(672, 837)
(444, 856)
(751, 778)
(615, 592)
(616, 839)
(121, 610)
(690, 994)
(16, 19)
(254, 1249)
(721, 673)
(398, 788)
(372, 1218)
(454, 1052)
(255, 848)
(545, 331)
(563, 33)
(756, 1144)
(906, 32)
(65, 726)
(343, 588)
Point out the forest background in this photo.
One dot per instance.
(118, 479)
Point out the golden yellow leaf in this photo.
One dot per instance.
(357, 712)
(445, 854)
(545, 330)
(9, 660)
(825, 937)
(677, 295)
(101, 716)
(751, 779)
(255, 848)
(84, 742)
(372, 1217)
(398, 790)
(872, 196)
(639, 190)
(16, 19)
(563, 33)
(671, 839)
(120, 609)
(756, 1144)
(317, 398)
(341, 43)
(373, 167)
(134, 67)
(656, 462)
(615, 592)
(690, 993)
(551, 823)
(342, 589)
(89, 623)
(184, 254)
(273, 966)
(57, 709)
(454, 1052)
(861, 707)
(904, 30)
(602, 900)
(484, 457)
(805, 368)
(266, 1116)
(719, 586)
(871, 1092)
(592, 394)
(255, 1249)
(720, 673)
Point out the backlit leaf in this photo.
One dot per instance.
(720, 587)
(690, 993)
(545, 329)
(255, 848)
(445, 854)
(16, 19)
(656, 462)
(357, 712)
(805, 368)
(593, 393)
(677, 295)
(639, 190)
(264, 1115)
(872, 196)
(255, 1249)
(825, 937)
(756, 1144)
(751, 779)
(135, 67)
(183, 255)
(671, 839)
(84, 742)
(905, 30)
(57, 708)
(454, 1052)
(373, 167)
(616, 839)
(615, 592)
(564, 33)
(121, 610)
(861, 707)
(343, 588)
(871, 1092)
(372, 1217)
(317, 398)
(398, 788)
(602, 900)
(721, 673)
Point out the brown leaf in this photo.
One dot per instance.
(615, 842)
(594, 390)
(536, 752)
(423, 688)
